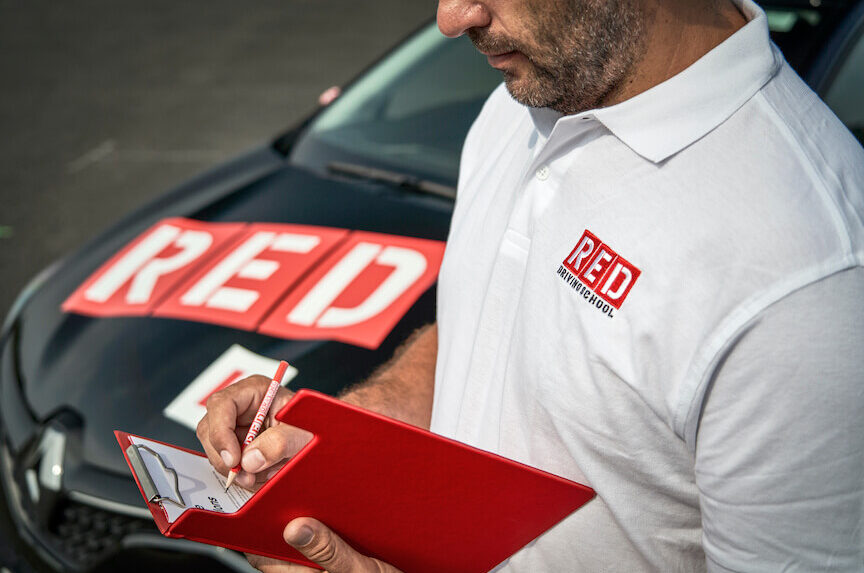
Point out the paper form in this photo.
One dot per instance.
(201, 486)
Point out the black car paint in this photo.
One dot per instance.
(48, 353)
(133, 380)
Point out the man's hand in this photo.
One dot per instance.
(230, 413)
(401, 389)
(320, 545)
(221, 431)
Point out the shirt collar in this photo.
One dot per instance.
(665, 119)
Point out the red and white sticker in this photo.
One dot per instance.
(134, 280)
(360, 292)
(233, 365)
(288, 281)
(238, 289)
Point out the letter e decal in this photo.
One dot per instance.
(240, 287)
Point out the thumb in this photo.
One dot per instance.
(272, 446)
(320, 545)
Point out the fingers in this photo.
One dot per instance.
(226, 409)
(320, 545)
(267, 453)
(272, 446)
(216, 460)
(254, 481)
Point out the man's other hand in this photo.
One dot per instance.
(230, 413)
(320, 545)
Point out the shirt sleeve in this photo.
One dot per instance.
(780, 446)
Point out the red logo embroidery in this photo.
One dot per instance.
(288, 281)
(599, 270)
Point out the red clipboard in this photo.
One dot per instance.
(419, 501)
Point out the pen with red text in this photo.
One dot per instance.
(259, 417)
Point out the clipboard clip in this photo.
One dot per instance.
(147, 484)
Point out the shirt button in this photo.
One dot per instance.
(543, 173)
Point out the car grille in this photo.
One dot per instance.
(84, 533)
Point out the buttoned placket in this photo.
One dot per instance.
(504, 295)
(539, 181)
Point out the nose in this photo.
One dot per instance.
(455, 17)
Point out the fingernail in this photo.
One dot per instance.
(253, 460)
(227, 459)
(302, 537)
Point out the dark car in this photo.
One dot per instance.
(349, 211)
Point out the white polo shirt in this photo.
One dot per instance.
(685, 264)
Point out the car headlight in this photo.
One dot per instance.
(47, 472)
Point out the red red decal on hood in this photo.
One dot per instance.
(288, 281)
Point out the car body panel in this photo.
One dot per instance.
(132, 381)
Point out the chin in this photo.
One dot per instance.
(526, 93)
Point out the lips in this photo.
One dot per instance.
(498, 60)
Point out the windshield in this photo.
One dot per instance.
(844, 94)
(410, 113)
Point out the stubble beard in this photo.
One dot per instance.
(580, 51)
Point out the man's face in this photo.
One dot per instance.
(563, 54)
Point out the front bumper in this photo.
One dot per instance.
(59, 514)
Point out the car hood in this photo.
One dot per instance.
(121, 372)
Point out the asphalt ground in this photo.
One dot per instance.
(105, 104)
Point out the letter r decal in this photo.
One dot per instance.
(135, 280)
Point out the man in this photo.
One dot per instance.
(651, 285)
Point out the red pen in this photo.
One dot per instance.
(259, 417)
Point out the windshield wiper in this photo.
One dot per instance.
(404, 180)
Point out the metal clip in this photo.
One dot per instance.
(147, 484)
